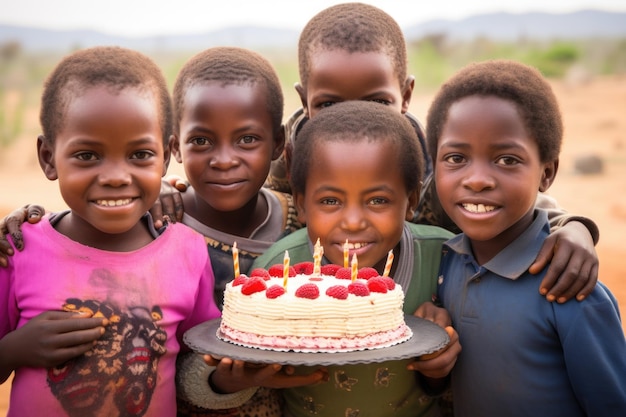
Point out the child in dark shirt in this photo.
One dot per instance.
(495, 132)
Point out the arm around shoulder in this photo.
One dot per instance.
(558, 217)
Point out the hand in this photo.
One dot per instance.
(438, 365)
(573, 269)
(49, 339)
(438, 315)
(235, 375)
(177, 182)
(11, 225)
(169, 206)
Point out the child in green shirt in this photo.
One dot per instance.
(356, 177)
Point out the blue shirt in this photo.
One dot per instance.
(522, 355)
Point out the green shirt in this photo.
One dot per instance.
(375, 389)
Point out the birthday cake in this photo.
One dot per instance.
(302, 308)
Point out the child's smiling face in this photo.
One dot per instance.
(337, 76)
(226, 142)
(109, 157)
(488, 170)
(355, 191)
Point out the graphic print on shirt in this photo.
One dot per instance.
(117, 377)
(343, 381)
(383, 377)
(309, 404)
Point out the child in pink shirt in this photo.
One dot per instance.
(93, 311)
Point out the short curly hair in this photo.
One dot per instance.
(509, 80)
(352, 27)
(228, 66)
(356, 122)
(113, 67)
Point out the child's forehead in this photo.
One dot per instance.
(353, 165)
(344, 152)
(322, 55)
(218, 96)
(80, 91)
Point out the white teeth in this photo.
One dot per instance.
(478, 208)
(356, 245)
(113, 203)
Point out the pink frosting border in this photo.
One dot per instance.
(315, 344)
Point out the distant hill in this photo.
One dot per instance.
(497, 26)
(43, 39)
(508, 26)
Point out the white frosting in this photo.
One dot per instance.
(325, 323)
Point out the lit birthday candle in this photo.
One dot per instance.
(355, 268)
(236, 259)
(346, 255)
(285, 269)
(388, 264)
(317, 258)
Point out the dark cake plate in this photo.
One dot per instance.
(427, 338)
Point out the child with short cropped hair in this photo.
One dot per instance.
(228, 109)
(91, 319)
(495, 133)
(356, 177)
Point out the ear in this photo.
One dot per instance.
(412, 205)
(167, 154)
(45, 154)
(279, 143)
(549, 173)
(302, 93)
(407, 92)
(298, 199)
(175, 147)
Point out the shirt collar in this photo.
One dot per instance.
(514, 260)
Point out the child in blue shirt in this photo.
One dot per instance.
(495, 133)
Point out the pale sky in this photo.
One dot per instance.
(137, 18)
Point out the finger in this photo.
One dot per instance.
(543, 258)
(554, 280)
(157, 214)
(64, 321)
(12, 225)
(168, 206)
(178, 207)
(433, 355)
(590, 285)
(567, 282)
(34, 213)
(224, 365)
(77, 337)
(59, 356)
(211, 360)
(181, 185)
(172, 179)
(582, 276)
(238, 369)
(5, 251)
(266, 372)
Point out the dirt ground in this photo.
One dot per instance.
(593, 113)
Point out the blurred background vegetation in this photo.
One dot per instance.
(432, 60)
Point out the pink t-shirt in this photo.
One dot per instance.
(151, 297)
